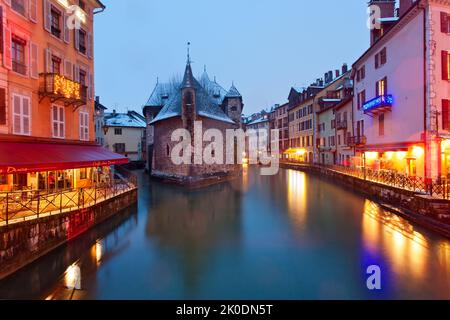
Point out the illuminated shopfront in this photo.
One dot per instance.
(54, 167)
(445, 149)
(402, 160)
(296, 154)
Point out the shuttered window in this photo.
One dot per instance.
(445, 22)
(84, 126)
(21, 114)
(2, 106)
(445, 115)
(445, 65)
(58, 122)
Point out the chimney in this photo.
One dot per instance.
(387, 10)
(97, 99)
(114, 111)
(338, 74)
(405, 5)
(321, 82)
(325, 76)
(344, 68)
(330, 76)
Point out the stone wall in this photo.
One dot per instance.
(24, 242)
(165, 168)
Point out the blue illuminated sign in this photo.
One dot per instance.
(379, 102)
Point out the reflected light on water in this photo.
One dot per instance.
(395, 237)
(97, 252)
(72, 277)
(297, 195)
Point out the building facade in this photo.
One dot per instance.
(334, 93)
(125, 134)
(281, 123)
(302, 122)
(47, 136)
(183, 106)
(402, 91)
(99, 122)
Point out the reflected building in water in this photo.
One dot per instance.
(191, 224)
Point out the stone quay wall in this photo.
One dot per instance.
(24, 242)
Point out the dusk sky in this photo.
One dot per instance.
(265, 47)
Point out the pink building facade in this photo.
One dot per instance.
(401, 92)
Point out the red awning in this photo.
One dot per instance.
(18, 157)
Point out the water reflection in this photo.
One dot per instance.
(401, 246)
(290, 236)
(297, 196)
(190, 226)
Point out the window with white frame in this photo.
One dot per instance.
(21, 114)
(58, 122)
(84, 126)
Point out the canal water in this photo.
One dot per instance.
(290, 236)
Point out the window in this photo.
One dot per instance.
(2, 106)
(21, 115)
(19, 6)
(233, 109)
(118, 131)
(381, 124)
(56, 65)
(445, 22)
(83, 174)
(3, 179)
(380, 58)
(361, 73)
(82, 5)
(18, 55)
(55, 22)
(82, 41)
(381, 87)
(58, 123)
(168, 150)
(445, 65)
(119, 148)
(361, 99)
(84, 126)
(445, 115)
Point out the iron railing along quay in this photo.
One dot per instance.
(18, 206)
(438, 189)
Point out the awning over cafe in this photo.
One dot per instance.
(18, 157)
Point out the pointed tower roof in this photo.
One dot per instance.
(188, 79)
(233, 92)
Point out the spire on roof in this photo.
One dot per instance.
(233, 92)
(188, 79)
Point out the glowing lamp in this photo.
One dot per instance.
(371, 155)
(417, 151)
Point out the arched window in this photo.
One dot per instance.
(168, 150)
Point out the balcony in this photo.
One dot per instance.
(59, 88)
(341, 125)
(357, 141)
(379, 104)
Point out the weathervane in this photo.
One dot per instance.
(188, 53)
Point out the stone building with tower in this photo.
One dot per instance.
(176, 105)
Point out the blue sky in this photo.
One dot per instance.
(264, 46)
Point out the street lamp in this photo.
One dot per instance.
(105, 129)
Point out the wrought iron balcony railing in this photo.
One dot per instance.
(59, 88)
(356, 141)
(341, 125)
